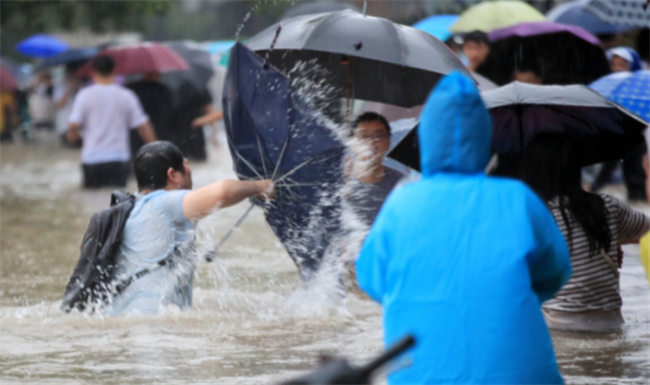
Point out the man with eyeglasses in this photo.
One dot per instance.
(368, 181)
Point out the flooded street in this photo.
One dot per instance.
(251, 322)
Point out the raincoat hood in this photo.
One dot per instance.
(455, 129)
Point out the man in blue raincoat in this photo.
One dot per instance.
(462, 261)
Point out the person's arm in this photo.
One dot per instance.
(147, 132)
(209, 118)
(198, 203)
(550, 263)
(73, 133)
(633, 224)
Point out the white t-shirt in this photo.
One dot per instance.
(105, 114)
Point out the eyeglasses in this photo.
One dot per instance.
(375, 136)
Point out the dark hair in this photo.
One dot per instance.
(371, 117)
(152, 162)
(476, 37)
(103, 64)
(550, 166)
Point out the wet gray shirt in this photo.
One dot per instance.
(366, 199)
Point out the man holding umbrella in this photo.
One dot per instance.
(104, 112)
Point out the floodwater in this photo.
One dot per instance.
(252, 321)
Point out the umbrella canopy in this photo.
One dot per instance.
(311, 8)
(273, 133)
(380, 60)
(629, 89)
(199, 73)
(41, 46)
(602, 129)
(574, 13)
(558, 53)
(7, 81)
(634, 13)
(78, 55)
(490, 15)
(437, 25)
(141, 58)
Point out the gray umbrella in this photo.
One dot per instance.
(317, 7)
(200, 71)
(371, 58)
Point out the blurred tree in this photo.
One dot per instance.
(22, 18)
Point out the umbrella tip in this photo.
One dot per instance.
(365, 7)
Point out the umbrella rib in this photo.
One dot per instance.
(259, 147)
(277, 165)
(298, 167)
(232, 146)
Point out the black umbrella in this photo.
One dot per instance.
(371, 58)
(197, 76)
(601, 129)
(314, 7)
(273, 133)
(559, 54)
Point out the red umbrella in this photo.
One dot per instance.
(7, 81)
(146, 57)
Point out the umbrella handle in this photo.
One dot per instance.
(211, 255)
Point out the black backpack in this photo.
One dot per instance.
(91, 284)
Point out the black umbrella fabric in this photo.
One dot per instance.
(601, 129)
(559, 57)
(197, 76)
(371, 58)
(273, 133)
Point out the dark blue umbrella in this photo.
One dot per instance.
(78, 55)
(574, 13)
(273, 133)
(41, 46)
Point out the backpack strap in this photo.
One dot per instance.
(610, 261)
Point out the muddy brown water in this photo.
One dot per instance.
(252, 322)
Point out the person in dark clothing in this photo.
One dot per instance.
(194, 103)
(156, 100)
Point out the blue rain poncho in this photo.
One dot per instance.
(463, 261)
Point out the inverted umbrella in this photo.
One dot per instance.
(273, 133)
(371, 57)
(141, 58)
(7, 81)
(627, 12)
(490, 15)
(602, 129)
(41, 46)
(629, 89)
(437, 25)
(574, 13)
(559, 53)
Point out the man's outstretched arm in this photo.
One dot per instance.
(198, 203)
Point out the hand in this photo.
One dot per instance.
(267, 189)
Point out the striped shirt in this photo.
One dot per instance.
(594, 284)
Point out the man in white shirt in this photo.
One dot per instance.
(105, 112)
